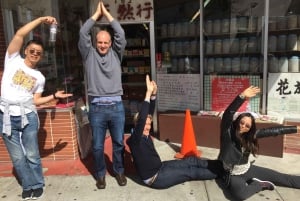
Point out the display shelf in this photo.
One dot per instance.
(136, 63)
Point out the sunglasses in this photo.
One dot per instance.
(36, 52)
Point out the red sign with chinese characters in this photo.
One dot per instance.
(224, 90)
(129, 10)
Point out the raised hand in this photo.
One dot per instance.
(250, 92)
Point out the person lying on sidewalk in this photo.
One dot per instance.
(239, 139)
(154, 172)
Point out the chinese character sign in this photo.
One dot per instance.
(284, 94)
(128, 10)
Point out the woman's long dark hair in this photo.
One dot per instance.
(248, 140)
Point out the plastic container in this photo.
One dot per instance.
(273, 65)
(254, 65)
(218, 65)
(281, 45)
(171, 29)
(253, 23)
(208, 26)
(217, 26)
(294, 64)
(210, 65)
(225, 46)
(236, 64)
(243, 44)
(227, 65)
(245, 64)
(164, 30)
(218, 46)
(272, 43)
(174, 65)
(242, 23)
(235, 45)
(281, 23)
(283, 65)
(179, 49)
(172, 47)
(252, 44)
(291, 42)
(209, 47)
(178, 29)
(292, 21)
(53, 32)
(225, 26)
(191, 29)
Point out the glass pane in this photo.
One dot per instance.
(284, 29)
(233, 57)
(178, 37)
(283, 59)
(61, 63)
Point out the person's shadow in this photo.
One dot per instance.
(42, 136)
(130, 171)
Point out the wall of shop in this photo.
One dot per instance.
(171, 14)
(2, 43)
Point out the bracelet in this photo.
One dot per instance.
(54, 95)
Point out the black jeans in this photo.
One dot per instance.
(191, 168)
(242, 187)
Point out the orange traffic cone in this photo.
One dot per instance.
(188, 145)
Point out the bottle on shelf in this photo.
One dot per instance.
(166, 64)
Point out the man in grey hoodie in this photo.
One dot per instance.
(104, 87)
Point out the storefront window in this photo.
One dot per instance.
(61, 63)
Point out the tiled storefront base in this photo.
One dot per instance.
(292, 142)
(57, 136)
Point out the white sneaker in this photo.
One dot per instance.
(265, 185)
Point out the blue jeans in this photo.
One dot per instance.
(110, 117)
(23, 149)
(191, 168)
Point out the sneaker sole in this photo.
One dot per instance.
(255, 179)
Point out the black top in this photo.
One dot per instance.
(145, 157)
(230, 151)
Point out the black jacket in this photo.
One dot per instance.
(230, 151)
(145, 157)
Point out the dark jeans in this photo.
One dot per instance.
(242, 187)
(110, 117)
(191, 168)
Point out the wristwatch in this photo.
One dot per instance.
(242, 96)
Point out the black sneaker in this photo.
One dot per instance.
(26, 195)
(265, 185)
(37, 193)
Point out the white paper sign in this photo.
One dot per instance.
(178, 92)
(284, 94)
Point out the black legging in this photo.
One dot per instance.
(242, 187)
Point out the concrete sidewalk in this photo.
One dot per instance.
(82, 187)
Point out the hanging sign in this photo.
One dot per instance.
(284, 94)
(128, 10)
(224, 90)
(178, 92)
